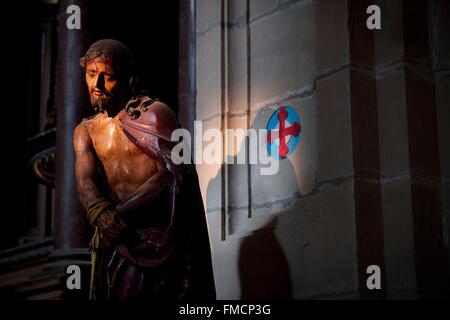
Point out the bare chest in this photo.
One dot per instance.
(126, 167)
(110, 143)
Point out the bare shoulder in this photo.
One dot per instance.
(86, 125)
(81, 135)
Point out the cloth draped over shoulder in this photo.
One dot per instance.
(149, 126)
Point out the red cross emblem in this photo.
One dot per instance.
(293, 129)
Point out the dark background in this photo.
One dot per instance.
(148, 28)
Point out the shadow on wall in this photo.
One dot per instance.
(263, 267)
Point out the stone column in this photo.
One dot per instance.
(395, 178)
(72, 104)
(186, 69)
(421, 23)
(366, 152)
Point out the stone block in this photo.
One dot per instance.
(331, 34)
(237, 10)
(446, 213)
(237, 172)
(441, 19)
(226, 270)
(389, 40)
(259, 8)
(237, 70)
(334, 133)
(361, 39)
(208, 13)
(422, 123)
(392, 124)
(321, 252)
(398, 238)
(210, 175)
(443, 122)
(282, 53)
(264, 271)
(209, 78)
(364, 111)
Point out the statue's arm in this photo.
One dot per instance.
(99, 209)
(86, 173)
(146, 193)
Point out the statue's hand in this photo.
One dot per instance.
(109, 225)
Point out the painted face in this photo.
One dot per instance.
(102, 84)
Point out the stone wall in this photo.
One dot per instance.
(342, 200)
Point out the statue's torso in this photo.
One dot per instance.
(126, 167)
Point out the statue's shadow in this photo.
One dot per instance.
(263, 267)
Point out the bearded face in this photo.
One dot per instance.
(103, 85)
